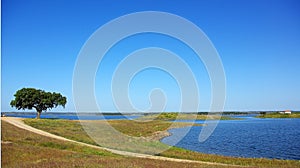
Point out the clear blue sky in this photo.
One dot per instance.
(258, 42)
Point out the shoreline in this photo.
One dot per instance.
(278, 115)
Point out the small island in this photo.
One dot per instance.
(170, 116)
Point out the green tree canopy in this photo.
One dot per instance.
(29, 98)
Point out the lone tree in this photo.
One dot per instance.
(28, 98)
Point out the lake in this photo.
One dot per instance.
(251, 137)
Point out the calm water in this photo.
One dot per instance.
(267, 138)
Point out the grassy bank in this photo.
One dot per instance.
(278, 115)
(139, 137)
(73, 130)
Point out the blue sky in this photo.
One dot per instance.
(258, 42)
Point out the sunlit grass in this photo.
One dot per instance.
(138, 129)
(140, 137)
(66, 128)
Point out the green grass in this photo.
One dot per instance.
(278, 115)
(142, 128)
(66, 129)
(140, 137)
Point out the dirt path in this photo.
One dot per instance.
(19, 123)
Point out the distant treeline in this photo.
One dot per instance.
(147, 113)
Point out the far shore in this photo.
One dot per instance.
(279, 115)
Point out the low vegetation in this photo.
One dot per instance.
(142, 129)
(73, 130)
(278, 115)
(70, 129)
(140, 137)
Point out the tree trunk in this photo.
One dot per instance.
(38, 115)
